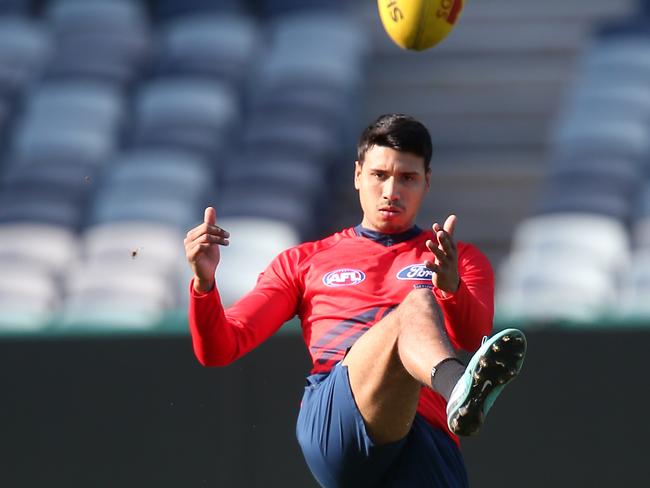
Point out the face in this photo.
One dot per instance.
(391, 187)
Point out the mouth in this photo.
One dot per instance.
(390, 211)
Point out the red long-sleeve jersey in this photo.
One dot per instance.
(339, 287)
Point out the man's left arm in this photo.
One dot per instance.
(463, 285)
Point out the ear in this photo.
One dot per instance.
(427, 178)
(357, 174)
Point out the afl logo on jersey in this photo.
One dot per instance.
(343, 277)
(415, 272)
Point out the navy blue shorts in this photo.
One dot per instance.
(336, 446)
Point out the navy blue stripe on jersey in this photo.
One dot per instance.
(338, 340)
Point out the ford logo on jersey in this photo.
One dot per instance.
(344, 277)
(415, 272)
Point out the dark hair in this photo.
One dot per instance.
(399, 132)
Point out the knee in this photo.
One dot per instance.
(421, 301)
(420, 298)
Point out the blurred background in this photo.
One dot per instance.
(120, 120)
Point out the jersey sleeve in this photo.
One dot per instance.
(469, 313)
(220, 336)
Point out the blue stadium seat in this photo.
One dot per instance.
(77, 104)
(278, 8)
(66, 178)
(44, 144)
(619, 176)
(271, 204)
(25, 50)
(178, 213)
(262, 171)
(296, 135)
(159, 172)
(190, 114)
(315, 47)
(15, 7)
(104, 40)
(60, 211)
(598, 136)
(165, 9)
(215, 46)
(615, 206)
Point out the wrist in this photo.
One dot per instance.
(203, 286)
(446, 293)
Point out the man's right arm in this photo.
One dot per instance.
(221, 336)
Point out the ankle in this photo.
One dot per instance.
(445, 375)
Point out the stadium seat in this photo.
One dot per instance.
(102, 313)
(166, 9)
(143, 283)
(622, 58)
(25, 49)
(113, 208)
(76, 104)
(300, 136)
(77, 181)
(254, 242)
(117, 293)
(322, 103)
(551, 287)
(601, 239)
(190, 114)
(619, 207)
(15, 7)
(159, 173)
(218, 46)
(301, 177)
(311, 27)
(315, 47)
(73, 123)
(610, 96)
(59, 211)
(101, 309)
(48, 144)
(272, 204)
(635, 288)
(28, 297)
(578, 188)
(598, 136)
(154, 243)
(49, 247)
(102, 40)
(280, 8)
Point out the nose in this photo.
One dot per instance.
(390, 190)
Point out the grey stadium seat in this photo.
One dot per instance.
(219, 46)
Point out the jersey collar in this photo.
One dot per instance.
(387, 239)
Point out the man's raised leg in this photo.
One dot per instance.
(388, 365)
(391, 361)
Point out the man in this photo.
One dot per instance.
(383, 306)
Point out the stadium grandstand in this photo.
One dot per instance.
(121, 120)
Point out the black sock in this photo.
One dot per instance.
(445, 375)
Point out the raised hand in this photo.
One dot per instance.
(202, 250)
(445, 264)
